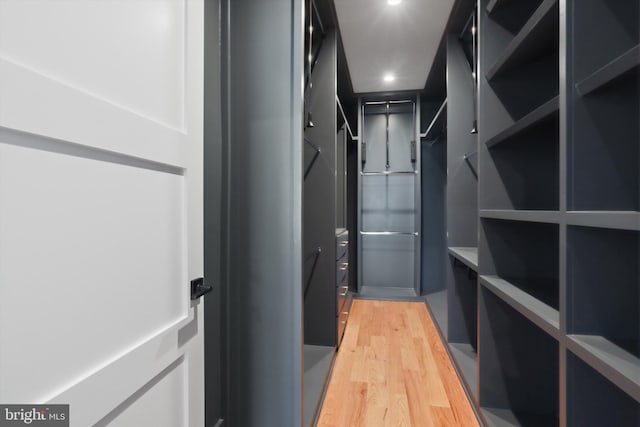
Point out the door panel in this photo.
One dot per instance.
(101, 208)
(163, 394)
(94, 238)
(139, 45)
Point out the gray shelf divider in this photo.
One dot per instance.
(537, 116)
(468, 256)
(535, 38)
(547, 318)
(619, 366)
(613, 70)
(549, 217)
(619, 220)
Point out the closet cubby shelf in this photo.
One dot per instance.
(549, 217)
(619, 366)
(621, 220)
(610, 72)
(544, 112)
(544, 316)
(536, 37)
(467, 255)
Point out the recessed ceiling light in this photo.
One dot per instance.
(388, 77)
(394, 2)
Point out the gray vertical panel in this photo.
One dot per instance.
(565, 72)
(212, 211)
(320, 309)
(264, 99)
(341, 178)
(417, 165)
(434, 239)
(462, 180)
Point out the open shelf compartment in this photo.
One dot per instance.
(604, 31)
(524, 254)
(603, 285)
(524, 173)
(592, 400)
(519, 366)
(537, 37)
(467, 255)
(604, 165)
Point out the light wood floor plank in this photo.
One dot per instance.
(393, 370)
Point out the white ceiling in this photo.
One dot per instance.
(401, 39)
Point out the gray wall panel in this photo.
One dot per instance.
(434, 236)
(320, 202)
(462, 181)
(214, 339)
(263, 181)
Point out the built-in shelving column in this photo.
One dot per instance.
(520, 205)
(462, 205)
(603, 218)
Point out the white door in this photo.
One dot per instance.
(101, 209)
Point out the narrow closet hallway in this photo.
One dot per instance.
(392, 369)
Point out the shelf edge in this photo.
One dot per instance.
(544, 316)
(528, 28)
(535, 117)
(470, 260)
(547, 217)
(619, 220)
(617, 365)
(610, 72)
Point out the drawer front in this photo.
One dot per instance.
(342, 245)
(342, 271)
(343, 316)
(342, 294)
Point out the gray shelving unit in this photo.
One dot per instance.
(519, 242)
(543, 293)
(602, 93)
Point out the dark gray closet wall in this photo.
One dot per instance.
(433, 157)
(263, 45)
(320, 201)
(462, 159)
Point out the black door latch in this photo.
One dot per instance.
(198, 288)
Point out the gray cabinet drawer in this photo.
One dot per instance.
(342, 294)
(342, 244)
(343, 316)
(342, 271)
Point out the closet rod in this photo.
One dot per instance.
(344, 116)
(433, 122)
(388, 173)
(388, 233)
(402, 101)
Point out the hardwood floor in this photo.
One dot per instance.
(393, 370)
